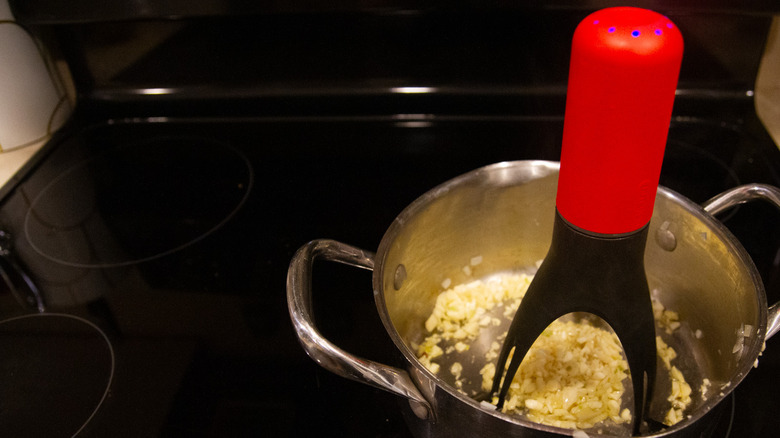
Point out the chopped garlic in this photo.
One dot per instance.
(705, 386)
(666, 353)
(667, 319)
(680, 394)
(572, 377)
(456, 369)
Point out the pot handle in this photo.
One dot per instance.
(740, 195)
(322, 351)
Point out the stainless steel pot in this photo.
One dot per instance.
(504, 213)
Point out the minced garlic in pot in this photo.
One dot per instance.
(572, 377)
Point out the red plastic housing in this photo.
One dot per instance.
(622, 79)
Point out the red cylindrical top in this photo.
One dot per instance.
(623, 75)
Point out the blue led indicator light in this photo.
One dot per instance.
(611, 29)
(635, 33)
(669, 25)
(596, 22)
(658, 31)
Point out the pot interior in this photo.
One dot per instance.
(503, 216)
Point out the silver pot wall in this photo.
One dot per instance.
(504, 213)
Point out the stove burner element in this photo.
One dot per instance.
(138, 202)
(55, 372)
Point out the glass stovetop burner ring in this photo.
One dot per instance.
(57, 370)
(137, 202)
(695, 171)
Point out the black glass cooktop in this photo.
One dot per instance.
(160, 247)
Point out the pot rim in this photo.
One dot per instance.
(538, 169)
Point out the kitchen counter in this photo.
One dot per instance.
(13, 160)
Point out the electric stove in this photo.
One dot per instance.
(146, 246)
